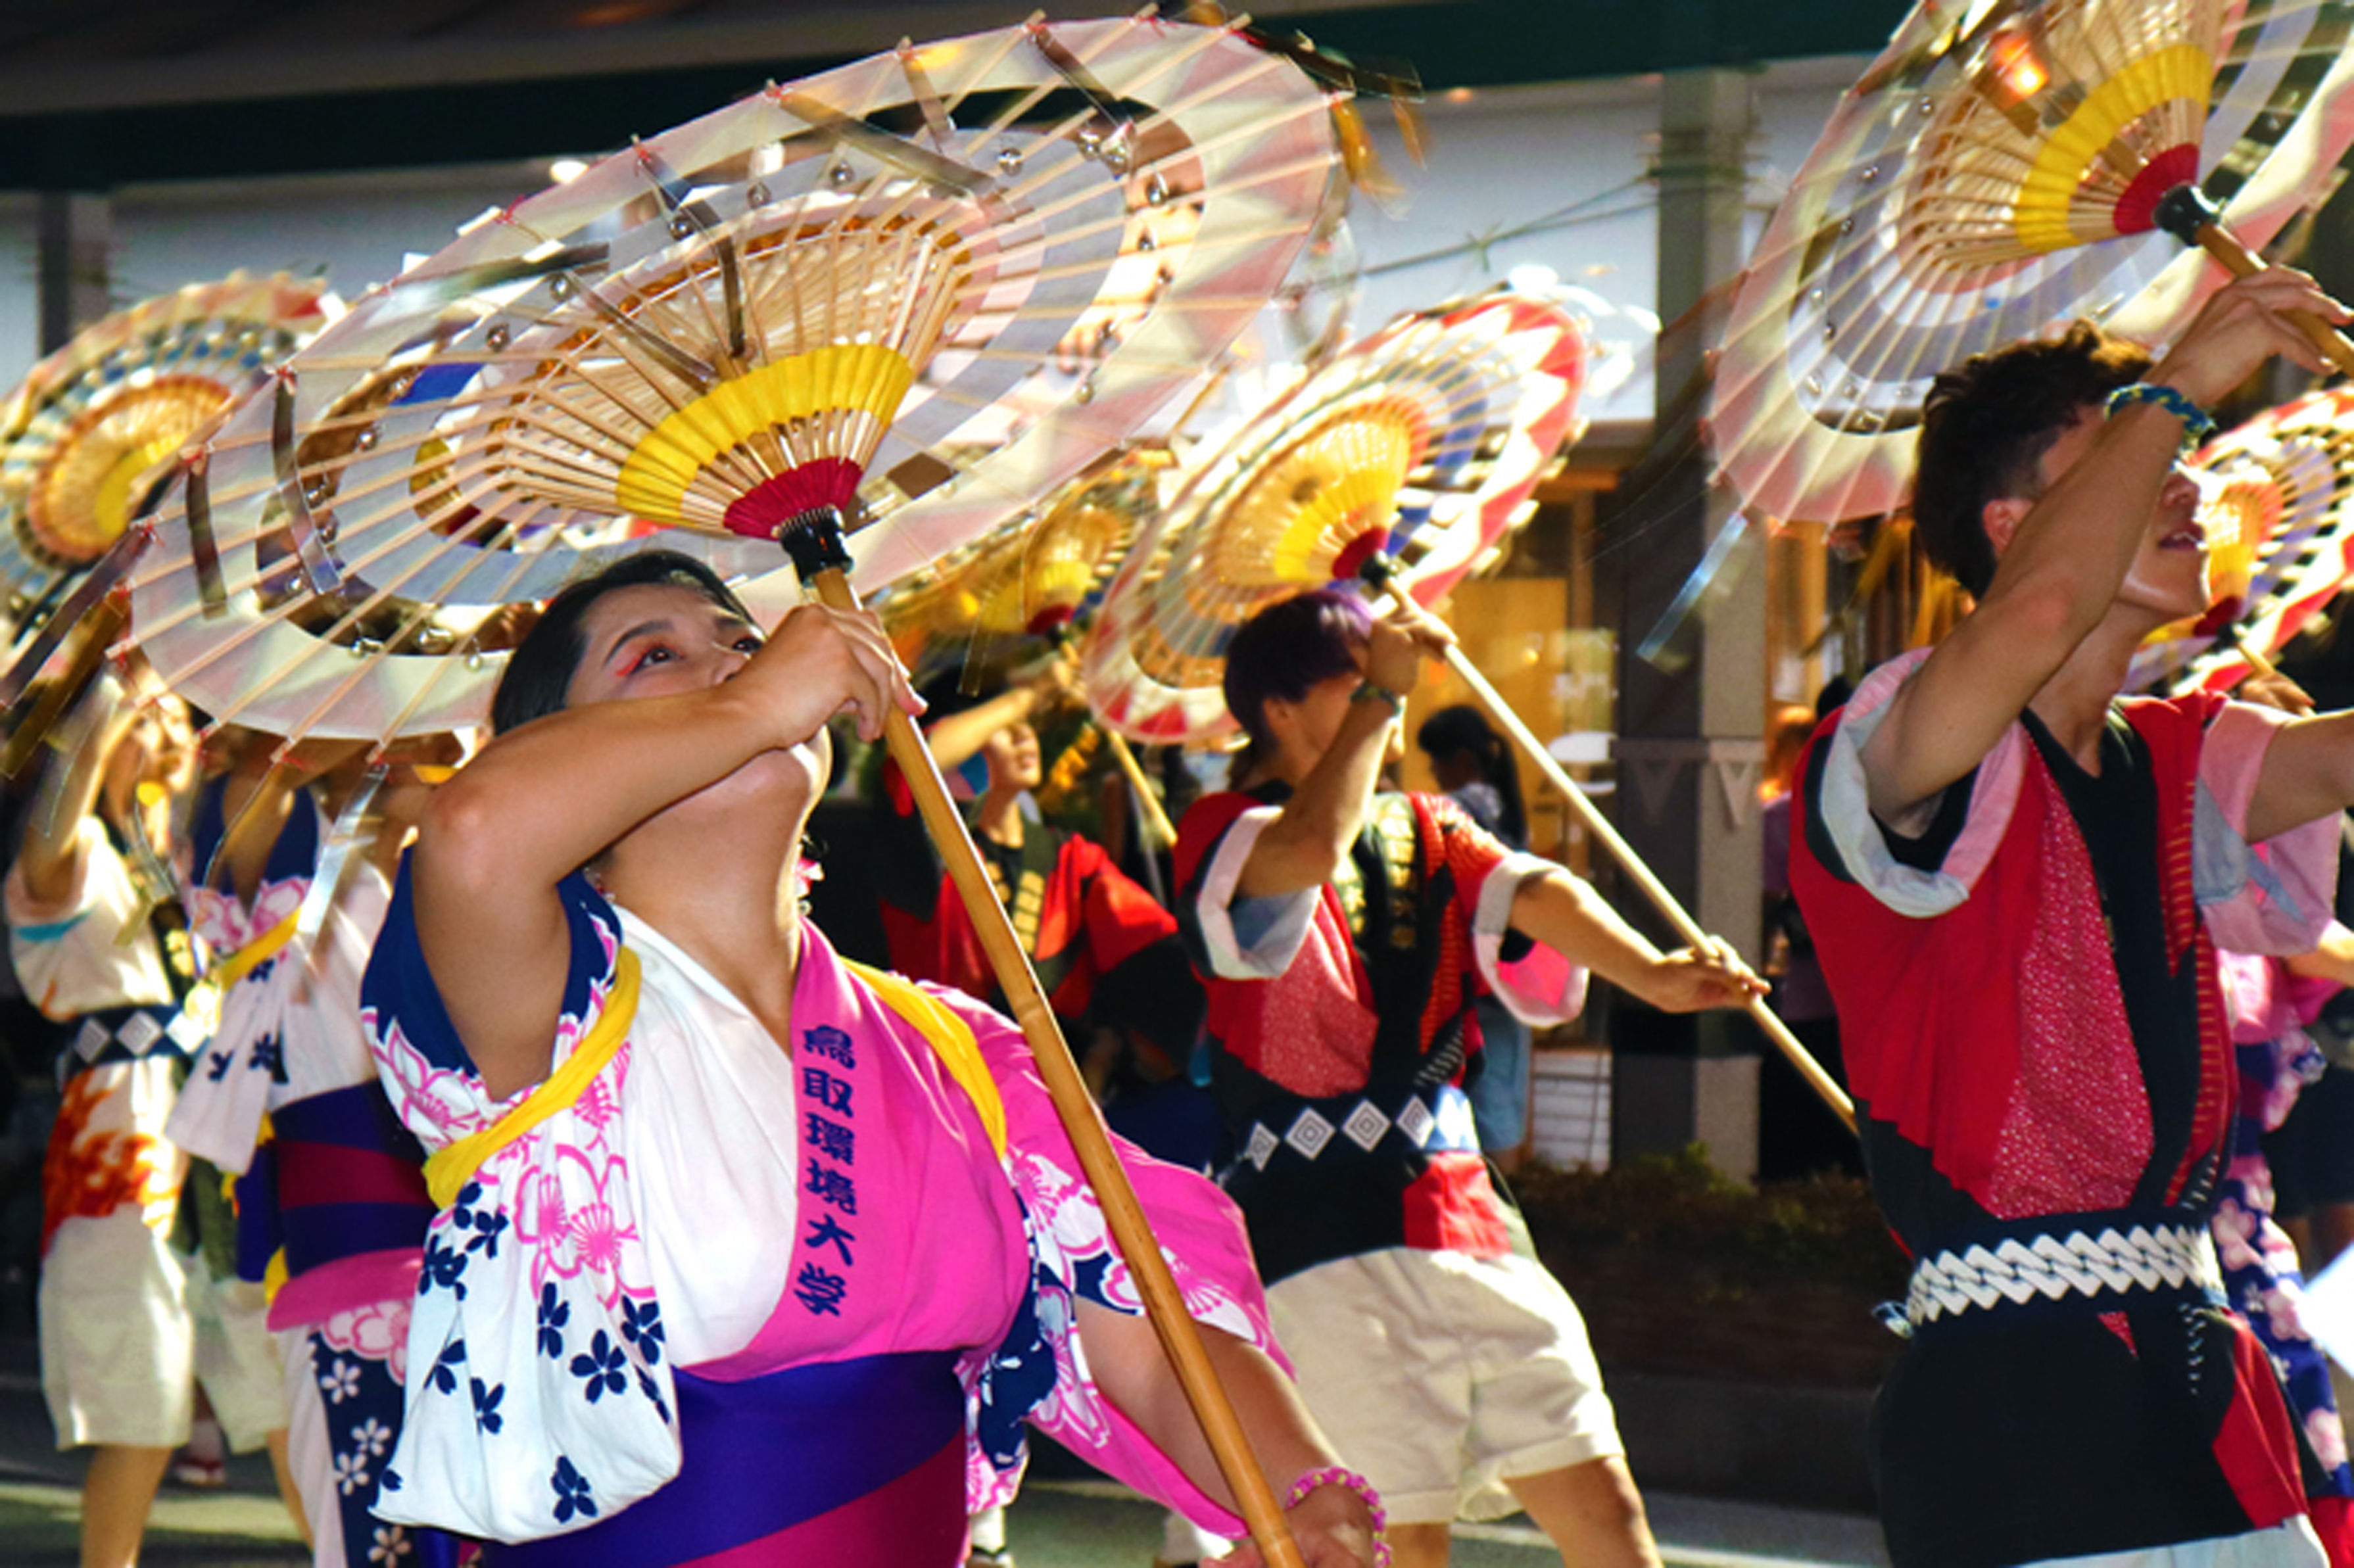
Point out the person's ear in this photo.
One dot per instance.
(1282, 717)
(2001, 520)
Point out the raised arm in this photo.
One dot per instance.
(2331, 959)
(957, 739)
(49, 858)
(545, 800)
(2064, 555)
(1312, 830)
(2308, 773)
(413, 769)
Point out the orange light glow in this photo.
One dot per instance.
(618, 13)
(2014, 61)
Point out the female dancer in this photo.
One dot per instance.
(331, 1199)
(708, 1191)
(134, 1312)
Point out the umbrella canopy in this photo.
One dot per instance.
(2278, 508)
(926, 288)
(96, 428)
(2005, 166)
(1422, 443)
(1032, 582)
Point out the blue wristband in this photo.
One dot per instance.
(2197, 424)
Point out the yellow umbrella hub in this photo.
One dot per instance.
(2046, 213)
(1056, 571)
(81, 499)
(1317, 504)
(111, 508)
(823, 405)
(2238, 522)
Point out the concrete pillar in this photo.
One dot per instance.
(76, 263)
(1692, 719)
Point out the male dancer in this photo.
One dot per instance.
(2006, 872)
(1347, 936)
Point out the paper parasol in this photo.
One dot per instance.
(1423, 443)
(95, 428)
(926, 288)
(828, 303)
(2001, 168)
(2279, 497)
(1035, 581)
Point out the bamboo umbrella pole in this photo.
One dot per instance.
(2187, 214)
(1379, 572)
(814, 541)
(1146, 801)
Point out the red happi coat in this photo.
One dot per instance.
(1998, 1077)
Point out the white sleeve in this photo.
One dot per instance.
(1542, 986)
(1846, 806)
(1272, 928)
(2277, 896)
(67, 956)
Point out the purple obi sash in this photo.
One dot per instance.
(856, 1463)
(340, 1189)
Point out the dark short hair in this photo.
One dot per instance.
(539, 671)
(1987, 424)
(1284, 650)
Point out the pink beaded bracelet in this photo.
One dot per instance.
(1339, 1476)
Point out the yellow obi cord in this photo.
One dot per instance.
(448, 1171)
(952, 1039)
(203, 1002)
(254, 954)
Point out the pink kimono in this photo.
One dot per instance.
(732, 1305)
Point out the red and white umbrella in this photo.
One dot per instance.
(2006, 166)
(1421, 443)
(777, 306)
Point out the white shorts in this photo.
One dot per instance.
(128, 1325)
(1441, 1377)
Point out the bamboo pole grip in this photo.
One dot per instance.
(1146, 801)
(2239, 262)
(1595, 822)
(1124, 1215)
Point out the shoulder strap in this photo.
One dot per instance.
(448, 1171)
(952, 1039)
